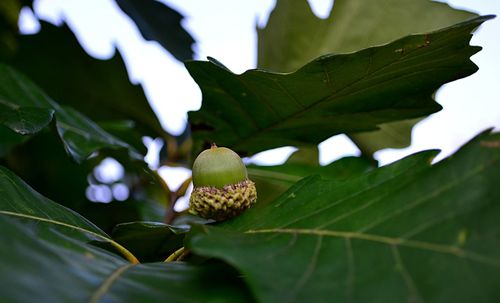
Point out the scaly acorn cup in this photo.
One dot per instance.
(221, 186)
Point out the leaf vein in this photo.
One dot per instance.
(428, 246)
(108, 282)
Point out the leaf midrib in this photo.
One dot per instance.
(127, 254)
(337, 94)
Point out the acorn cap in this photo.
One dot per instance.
(222, 203)
(218, 166)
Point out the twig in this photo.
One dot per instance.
(171, 214)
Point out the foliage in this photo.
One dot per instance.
(349, 231)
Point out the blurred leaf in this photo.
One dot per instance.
(272, 181)
(149, 241)
(100, 89)
(334, 94)
(390, 135)
(82, 136)
(108, 215)
(158, 22)
(305, 155)
(26, 110)
(127, 131)
(408, 232)
(9, 15)
(9, 139)
(25, 120)
(294, 35)
(9, 12)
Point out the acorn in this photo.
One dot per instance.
(222, 189)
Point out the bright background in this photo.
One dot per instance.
(225, 29)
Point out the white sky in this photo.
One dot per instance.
(225, 29)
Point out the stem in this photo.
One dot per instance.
(174, 255)
(125, 252)
(183, 255)
(171, 214)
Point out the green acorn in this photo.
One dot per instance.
(222, 189)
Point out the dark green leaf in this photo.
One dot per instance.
(149, 241)
(26, 120)
(294, 35)
(38, 262)
(160, 23)
(9, 15)
(9, 139)
(51, 172)
(82, 137)
(47, 254)
(18, 200)
(408, 232)
(334, 94)
(100, 89)
(26, 110)
(127, 131)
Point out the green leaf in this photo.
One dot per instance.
(160, 23)
(82, 137)
(26, 120)
(58, 177)
(18, 200)
(149, 241)
(49, 253)
(272, 181)
(294, 35)
(389, 135)
(27, 110)
(405, 232)
(308, 155)
(334, 94)
(100, 89)
(40, 263)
